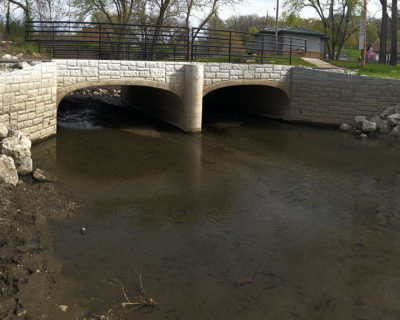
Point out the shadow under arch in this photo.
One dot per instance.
(261, 97)
(62, 92)
(156, 99)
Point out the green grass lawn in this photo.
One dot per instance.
(370, 69)
(352, 54)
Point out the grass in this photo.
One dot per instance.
(352, 54)
(370, 69)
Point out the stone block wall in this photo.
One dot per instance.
(218, 72)
(71, 72)
(334, 98)
(28, 100)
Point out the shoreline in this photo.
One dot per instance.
(29, 274)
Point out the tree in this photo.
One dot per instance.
(245, 23)
(113, 11)
(393, 40)
(383, 33)
(26, 7)
(338, 17)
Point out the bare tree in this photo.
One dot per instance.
(338, 18)
(25, 6)
(113, 11)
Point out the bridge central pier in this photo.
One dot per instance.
(181, 108)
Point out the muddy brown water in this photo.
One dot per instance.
(310, 215)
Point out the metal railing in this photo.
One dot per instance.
(105, 41)
(243, 47)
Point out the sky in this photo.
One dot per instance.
(261, 7)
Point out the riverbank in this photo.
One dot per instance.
(29, 276)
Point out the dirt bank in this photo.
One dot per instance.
(29, 277)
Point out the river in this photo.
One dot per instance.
(251, 219)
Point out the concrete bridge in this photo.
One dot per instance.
(175, 91)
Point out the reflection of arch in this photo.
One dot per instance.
(261, 97)
(231, 83)
(62, 92)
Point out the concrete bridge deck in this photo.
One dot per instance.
(174, 91)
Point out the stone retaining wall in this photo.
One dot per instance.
(333, 98)
(28, 99)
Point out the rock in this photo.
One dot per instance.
(363, 136)
(384, 127)
(395, 131)
(242, 282)
(3, 131)
(25, 167)
(393, 119)
(368, 126)
(36, 55)
(39, 176)
(7, 56)
(358, 121)
(20, 55)
(356, 132)
(63, 308)
(18, 146)
(14, 57)
(83, 231)
(378, 120)
(387, 112)
(345, 127)
(23, 65)
(8, 172)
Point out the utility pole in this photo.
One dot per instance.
(276, 27)
(364, 35)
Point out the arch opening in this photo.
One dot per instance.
(257, 99)
(133, 107)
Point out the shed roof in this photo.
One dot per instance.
(295, 30)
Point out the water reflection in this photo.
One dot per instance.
(310, 215)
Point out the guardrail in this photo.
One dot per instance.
(106, 41)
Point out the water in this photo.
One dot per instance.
(310, 215)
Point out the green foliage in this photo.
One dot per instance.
(17, 31)
(370, 69)
(253, 29)
(351, 52)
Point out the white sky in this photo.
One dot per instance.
(260, 7)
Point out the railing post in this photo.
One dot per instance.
(262, 49)
(145, 43)
(53, 40)
(188, 44)
(192, 45)
(305, 47)
(99, 41)
(230, 43)
(290, 52)
(26, 30)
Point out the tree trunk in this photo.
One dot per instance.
(160, 22)
(8, 27)
(393, 51)
(383, 36)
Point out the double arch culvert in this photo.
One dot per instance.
(167, 102)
